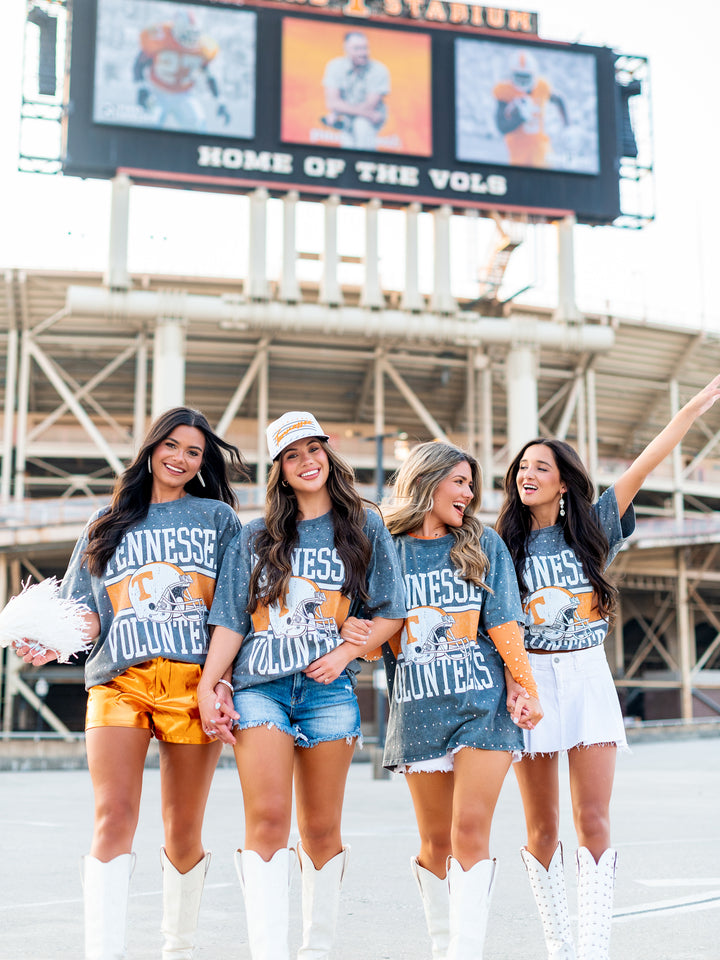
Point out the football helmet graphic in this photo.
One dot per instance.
(298, 612)
(160, 592)
(551, 615)
(427, 634)
(185, 30)
(524, 71)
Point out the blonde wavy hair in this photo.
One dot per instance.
(415, 484)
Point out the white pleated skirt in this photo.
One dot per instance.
(579, 701)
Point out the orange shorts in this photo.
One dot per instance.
(159, 696)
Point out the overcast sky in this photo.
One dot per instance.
(666, 272)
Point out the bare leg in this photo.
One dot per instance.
(479, 776)
(320, 777)
(264, 757)
(116, 760)
(432, 797)
(540, 791)
(186, 772)
(592, 771)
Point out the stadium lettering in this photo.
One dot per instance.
(329, 167)
(230, 158)
(461, 181)
(402, 176)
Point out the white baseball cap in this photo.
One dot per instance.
(292, 426)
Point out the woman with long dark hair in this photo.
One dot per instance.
(146, 568)
(288, 584)
(454, 714)
(562, 542)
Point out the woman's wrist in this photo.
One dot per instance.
(225, 683)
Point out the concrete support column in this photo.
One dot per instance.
(140, 400)
(685, 658)
(442, 299)
(9, 421)
(289, 287)
(168, 387)
(379, 422)
(567, 308)
(592, 434)
(117, 276)
(22, 415)
(257, 288)
(330, 292)
(522, 403)
(371, 292)
(471, 399)
(411, 298)
(486, 427)
(263, 408)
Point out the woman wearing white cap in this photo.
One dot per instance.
(286, 588)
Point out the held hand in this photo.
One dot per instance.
(331, 665)
(531, 714)
(355, 630)
(31, 653)
(517, 697)
(217, 713)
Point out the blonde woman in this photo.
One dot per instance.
(285, 591)
(454, 723)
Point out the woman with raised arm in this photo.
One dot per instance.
(452, 725)
(146, 568)
(288, 583)
(561, 543)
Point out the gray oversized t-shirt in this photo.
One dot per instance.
(560, 606)
(154, 597)
(285, 638)
(445, 676)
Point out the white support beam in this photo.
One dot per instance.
(486, 425)
(413, 400)
(263, 410)
(568, 410)
(685, 658)
(140, 393)
(442, 298)
(241, 391)
(521, 392)
(372, 295)
(289, 287)
(257, 287)
(592, 439)
(471, 400)
(117, 276)
(9, 418)
(567, 310)
(48, 368)
(168, 384)
(22, 415)
(330, 292)
(412, 298)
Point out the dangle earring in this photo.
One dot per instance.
(149, 464)
(284, 483)
(200, 478)
(562, 506)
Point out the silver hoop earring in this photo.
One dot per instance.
(284, 483)
(430, 506)
(562, 506)
(149, 464)
(200, 478)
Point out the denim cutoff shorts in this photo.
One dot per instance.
(308, 711)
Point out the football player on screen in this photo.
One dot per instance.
(521, 111)
(174, 57)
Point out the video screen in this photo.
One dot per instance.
(364, 89)
(175, 66)
(526, 106)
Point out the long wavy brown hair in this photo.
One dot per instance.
(131, 495)
(580, 526)
(415, 483)
(274, 544)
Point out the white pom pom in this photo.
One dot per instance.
(41, 615)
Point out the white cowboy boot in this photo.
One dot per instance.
(470, 893)
(182, 893)
(320, 902)
(596, 882)
(106, 888)
(548, 887)
(435, 893)
(265, 888)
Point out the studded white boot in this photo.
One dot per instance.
(596, 883)
(435, 893)
(548, 887)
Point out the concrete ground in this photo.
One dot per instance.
(665, 824)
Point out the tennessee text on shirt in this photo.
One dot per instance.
(184, 546)
(440, 588)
